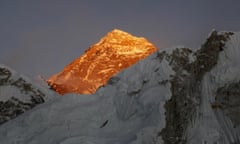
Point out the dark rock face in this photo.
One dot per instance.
(14, 105)
(181, 108)
(228, 100)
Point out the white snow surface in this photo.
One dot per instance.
(130, 110)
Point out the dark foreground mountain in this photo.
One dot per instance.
(175, 96)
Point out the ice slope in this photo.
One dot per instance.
(175, 96)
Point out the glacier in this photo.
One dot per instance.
(174, 96)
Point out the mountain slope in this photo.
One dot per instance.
(18, 94)
(175, 96)
(113, 53)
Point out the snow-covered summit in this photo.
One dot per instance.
(178, 96)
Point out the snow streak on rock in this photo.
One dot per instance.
(217, 118)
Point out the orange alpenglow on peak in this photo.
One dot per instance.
(113, 53)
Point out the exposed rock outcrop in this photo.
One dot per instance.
(17, 94)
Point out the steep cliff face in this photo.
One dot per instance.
(216, 120)
(113, 53)
(186, 85)
(174, 96)
(17, 94)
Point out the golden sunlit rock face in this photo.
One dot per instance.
(113, 53)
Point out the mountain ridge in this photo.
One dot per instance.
(174, 96)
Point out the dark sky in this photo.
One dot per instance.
(40, 37)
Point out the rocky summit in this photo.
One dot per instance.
(113, 53)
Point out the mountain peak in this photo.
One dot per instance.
(175, 96)
(113, 53)
(124, 43)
